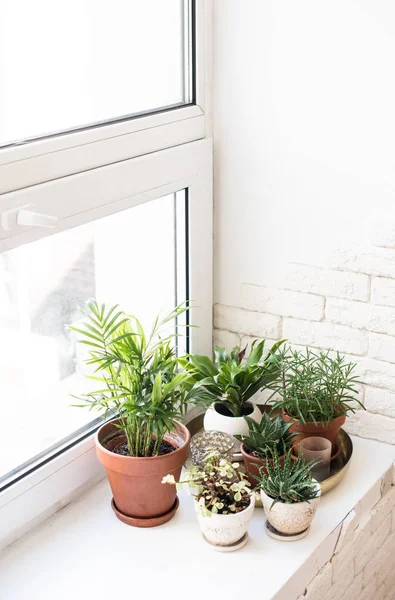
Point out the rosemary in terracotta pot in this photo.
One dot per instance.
(140, 384)
(270, 436)
(316, 391)
(223, 502)
(227, 384)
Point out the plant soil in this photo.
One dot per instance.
(255, 454)
(223, 410)
(165, 448)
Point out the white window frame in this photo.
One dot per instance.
(75, 152)
(50, 487)
(82, 176)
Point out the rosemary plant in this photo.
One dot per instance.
(141, 381)
(230, 381)
(270, 436)
(218, 486)
(315, 387)
(290, 482)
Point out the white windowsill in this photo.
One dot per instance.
(83, 551)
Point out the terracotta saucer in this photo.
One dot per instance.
(149, 522)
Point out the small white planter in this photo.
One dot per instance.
(226, 532)
(214, 421)
(290, 519)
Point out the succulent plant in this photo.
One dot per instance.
(289, 482)
(218, 486)
(270, 436)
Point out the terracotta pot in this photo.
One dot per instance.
(254, 466)
(330, 430)
(215, 421)
(140, 497)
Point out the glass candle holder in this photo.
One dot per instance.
(317, 449)
(206, 442)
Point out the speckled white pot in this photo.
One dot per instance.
(290, 519)
(225, 530)
(214, 421)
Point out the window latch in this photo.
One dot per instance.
(10, 219)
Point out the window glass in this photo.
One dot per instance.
(136, 258)
(66, 65)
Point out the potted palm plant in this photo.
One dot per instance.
(224, 505)
(270, 436)
(315, 393)
(228, 384)
(143, 388)
(290, 497)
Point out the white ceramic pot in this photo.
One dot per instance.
(290, 519)
(223, 531)
(214, 421)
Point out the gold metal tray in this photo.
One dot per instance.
(339, 466)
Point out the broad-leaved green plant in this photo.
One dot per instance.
(231, 382)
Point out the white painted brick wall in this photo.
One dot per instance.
(383, 509)
(383, 291)
(247, 340)
(327, 282)
(346, 555)
(225, 339)
(360, 315)
(365, 259)
(349, 524)
(362, 566)
(321, 583)
(326, 335)
(370, 545)
(380, 559)
(385, 565)
(369, 593)
(343, 574)
(284, 303)
(377, 373)
(382, 347)
(370, 425)
(382, 233)
(386, 482)
(248, 322)
(352, 592)
(347, 305)
(380, 401)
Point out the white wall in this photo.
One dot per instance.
(361, 567)
(304, 128)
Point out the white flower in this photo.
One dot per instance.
(168, 479)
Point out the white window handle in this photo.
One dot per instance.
(34, 219)
(27, 218)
